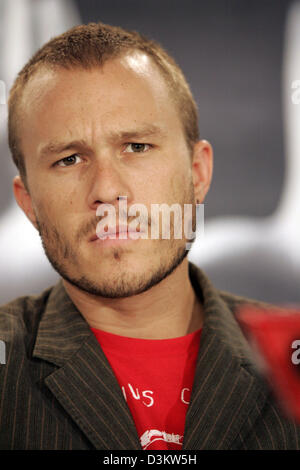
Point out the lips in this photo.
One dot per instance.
(112, 232)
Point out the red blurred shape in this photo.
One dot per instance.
(275, 338)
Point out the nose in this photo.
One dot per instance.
(107, 185)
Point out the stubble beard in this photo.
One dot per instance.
(65, 261)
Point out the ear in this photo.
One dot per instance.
(202, 168)
(23, 199)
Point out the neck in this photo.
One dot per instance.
(168, 310)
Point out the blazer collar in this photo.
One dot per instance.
(84, 382)
(228, 392)
(227, 395)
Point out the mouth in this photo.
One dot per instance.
(116, 234)
(110, 235)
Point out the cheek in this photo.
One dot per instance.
(54, 201)
(164, 181)
(177, 174)
(179, 183)
(49, 211)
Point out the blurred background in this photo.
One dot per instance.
(240, 59)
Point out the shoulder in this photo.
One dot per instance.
(19, 317)
(209, 294)
(234, 302)
(275, 429)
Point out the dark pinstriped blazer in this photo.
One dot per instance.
(57, 390)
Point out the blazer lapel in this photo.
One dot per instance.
(228, 395)
(84, 383)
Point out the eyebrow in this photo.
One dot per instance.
(59, 147)
(54, 148)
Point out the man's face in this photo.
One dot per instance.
(101, 114)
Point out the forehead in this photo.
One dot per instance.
(133, 74)
(123, 91)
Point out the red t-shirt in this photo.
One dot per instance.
(156, 378)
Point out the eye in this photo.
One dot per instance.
(68, 161)
(137, 148)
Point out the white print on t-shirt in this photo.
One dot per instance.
(145, 394)
(136, 395)
(154, 435)
(183, 396)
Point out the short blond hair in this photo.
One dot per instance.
(91, 45)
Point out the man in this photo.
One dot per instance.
(133, 348)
